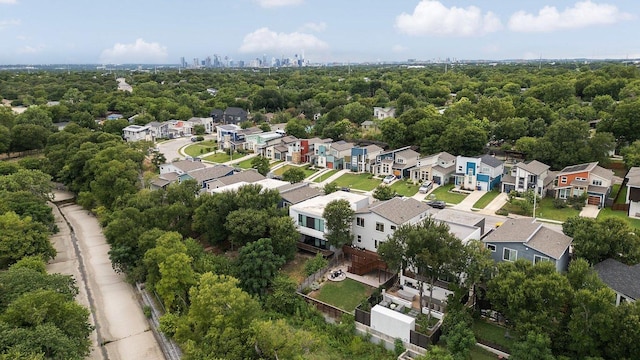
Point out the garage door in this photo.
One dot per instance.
(593, 200)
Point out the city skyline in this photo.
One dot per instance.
(162, 32)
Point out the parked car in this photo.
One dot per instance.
(388, 179)
(437, 204)
(425, 187)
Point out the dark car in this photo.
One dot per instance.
(437, 204)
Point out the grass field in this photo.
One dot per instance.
(442, 193)
(221, 157)
(346, 294)
(492, 332)
(245, 164)
(486, 199)
(307, 171)
(546, 210)
(478, 353)
(607, 212)
(325, 176)
(363, 182)
(623, 193)
(200, 148)
(405, 188)
(274, 163)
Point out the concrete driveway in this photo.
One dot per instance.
(590, 211)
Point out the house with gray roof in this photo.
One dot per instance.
(181, 167)
(163, 181)
(397, 162)
(248, 176)
(362, 158)
(205, 175)
(525, 238)
(621, 278)
(532, 175)
(438, 168)
(478, 173)
(292, 194)
(589, 178)
(633, 192)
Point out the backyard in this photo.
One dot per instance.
(346, 294)
(486, 199)
(607, 212)
(307, 170)
(365, 182)
(405, 188)
(200, 148)
(492, 333)
(442, 193)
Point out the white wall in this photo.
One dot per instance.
(392, 323)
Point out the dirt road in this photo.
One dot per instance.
(122, 331)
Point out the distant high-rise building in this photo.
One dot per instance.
(183, 62)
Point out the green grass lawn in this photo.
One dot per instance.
(346, 294)
(546, 210)
(307, 171)
(405, 188)
(442, 193)
(200, 148)
(325, 176)
(478, 353)
(221, 157)
(492, 332)
(623, 193)
(486, 199)
(607, 212)
(245, 164)
(274, 163)
(363, 182)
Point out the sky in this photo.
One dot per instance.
(163, 31)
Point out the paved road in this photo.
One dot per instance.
(122, 331)
(170, 148)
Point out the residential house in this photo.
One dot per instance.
(297, 149)
(307, 215)
(587, 178)
(398, 162)
(242, 178)
(205, 175)
(265, 184)
(383, 113)
(181, 167)
(259, 141)
(292, 194)
(466, 226)
(114, 116)
(137, 133)
(333, 156)
(234, 115)
(481, 173)
(633, 192)
(525, 238)
(163, 181)
(368, 125)
(362, 158)
(207, 123)
(621, 278)
(377, 222)
(178, 128)
(217, 115)
(438, 168)
(532, 175)
(314, 145)
(230, 136)
(159, 130)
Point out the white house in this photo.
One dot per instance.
(438, 168)
(633, 192)
(181, 167)
(159, 130)
(525, 176)
(481, 173)
(307, 215)
(207, 123)
(137, 133)
(383, 113)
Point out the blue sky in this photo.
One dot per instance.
(162, 31)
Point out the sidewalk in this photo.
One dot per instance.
(333, 177)
(495, 205)
(467, 203)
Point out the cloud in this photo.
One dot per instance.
(399, 48)
(582, 14)
(9, 2)
(432, 18)
(27, 49)
(137, 52)
(264, 39)
(7, 23)
(276, 3)
(312, 26)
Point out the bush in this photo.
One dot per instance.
(147, 311)
(559, 203)
(315, 264)
(502, 212)
(578, 206)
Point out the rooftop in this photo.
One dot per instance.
(634, 177)
(578, 168)
(535, 235)
(209, 173)
(399, 210)
(533, 167)
(317, 204)
(490, 160)
(622, 278)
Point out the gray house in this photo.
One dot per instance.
(621, 278)
(526, 239)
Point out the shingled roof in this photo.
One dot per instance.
(399, 210)
(533, 234)
(622, 278)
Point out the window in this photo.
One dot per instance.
(491, 247)
(597, 182)
(300, 219)
(379, 226)
(563, 193)
(359, 238)
(375, 243)
(393, 227)
(563, 179)
(509, 254)
(360, 221)
(537, 259)
(581, 179)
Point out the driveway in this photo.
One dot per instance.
(590, 211)
(467, 203)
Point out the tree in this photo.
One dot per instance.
(457, 331)
(167, 244)
(297, 127)
(598, 239)
(176, 278)
(284, 236)
(198, 129)
(279, 340)
(35, 115)
(157, 159)
(631, 154)
(534, 347)
(329, 188)
(28, 137)
(261, 164)
(383, 192)
(211, 214)
(282, 297)
(5, 139)
(258, 266)
(338, 216)
(293, 175)
(20, 237)
(246, 225)
(34, 181)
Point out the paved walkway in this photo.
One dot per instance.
(333, 177)
(467, 203)
(590, 211)
(495, 205)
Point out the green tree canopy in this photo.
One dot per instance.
(338, 216)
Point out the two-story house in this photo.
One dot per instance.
(532, 175)
(438, 168)
(159, 130)
(234, 115)
(478, 173)
(362, 158)
(314, 146)
(258, 142)
(307, 215)
(207, 123)
(297, 149)
(205, 175)
(633, 192)
(333, 156)
(525, 238)
(229, 136)
(590, 178)
(398, 162)
(383, 112)
(621, 278)
(133, 133)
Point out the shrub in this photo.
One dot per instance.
(559, 203)
(578, 206)
(147, 311)
(306, 290)
(398, 347)
(502, 212)
(315, 264)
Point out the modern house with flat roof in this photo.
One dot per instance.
(478, 173)
(133, 133)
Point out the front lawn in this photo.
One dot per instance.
(306, 169)
(607, 212)
(486, 199)
(221, 157)
(405, 188)
(546, 210)
(200, 148)
(346, 294)
(245, 164)
(442, 193)
(493, 333)
(325, 176)
(365, 182)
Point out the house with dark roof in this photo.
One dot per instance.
(362, 158)
(248, 176)
(633, 192)
(234, 115)
(532, 175)
(589, 178)
(438, 168)
(398, 162)
(205, 175)
(292, 194)
(621, 278)
(217, 115)
(163, 181)
(478, 173)
(525, 238)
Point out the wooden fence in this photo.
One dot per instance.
(325, 308)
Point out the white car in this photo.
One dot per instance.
(425, 187)
(388, 179)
